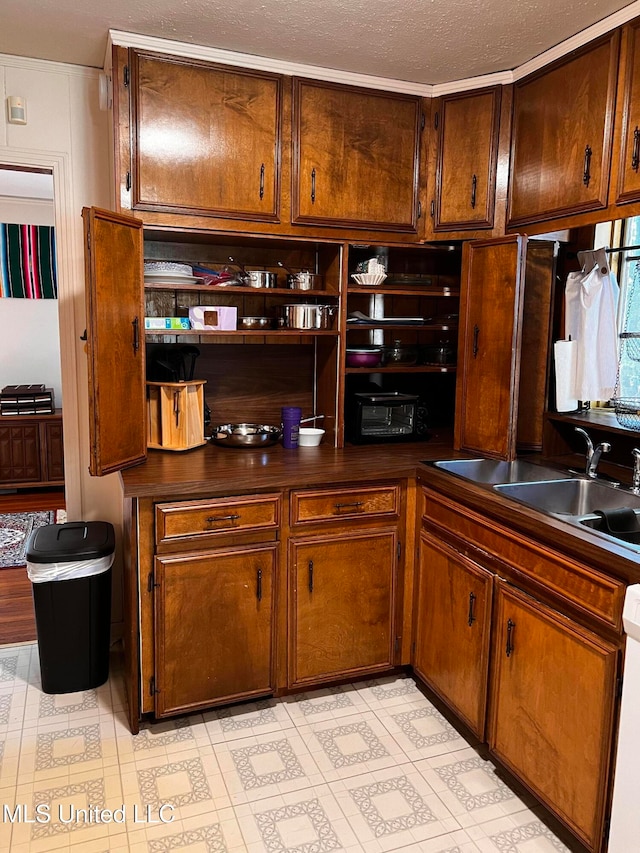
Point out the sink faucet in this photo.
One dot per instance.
(635, 482)
(594, 454)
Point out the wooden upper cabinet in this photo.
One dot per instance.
(490, 331)
(206, 138)
(468, 125)
(562, 135)
(355, 157)
(115, 340)
(627, 155)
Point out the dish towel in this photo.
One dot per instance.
(591, 302)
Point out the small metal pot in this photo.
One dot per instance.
(304, 280)
(305, 316)
(261, 278)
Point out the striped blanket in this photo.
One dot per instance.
(28, 262)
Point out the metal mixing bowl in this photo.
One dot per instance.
(245, 435)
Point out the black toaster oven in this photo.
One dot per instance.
(383, 416)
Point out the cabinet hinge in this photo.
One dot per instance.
(151, 582)
(127, 181)
(399, 549)
(619, 687)
(436, 120)
(422, 121)
(88, 241)
(153, 690)
(433, 207)
(419, 210)
(125, 75)
(396, 645)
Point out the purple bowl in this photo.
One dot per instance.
(363, 359)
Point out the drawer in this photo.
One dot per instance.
(312, 506)
(544, 569)
(185, 521)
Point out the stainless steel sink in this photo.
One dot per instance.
(492, 471)
(572, 497)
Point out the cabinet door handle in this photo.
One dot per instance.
(136, 333)
(259, 585)
(261, 182)
(474, 187)
(313, 186)
(476, 334)
(586, 174)
(472, 600)
(354, 504)
(635, 157)
(510, 626)
(213, 518)
(310, 575)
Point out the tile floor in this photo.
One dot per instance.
(371, 767)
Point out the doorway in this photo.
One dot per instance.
(30, 356)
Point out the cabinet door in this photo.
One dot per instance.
(628, 186)
(54, 451)
(551, 709)
(356, 154)
(19, 453)
(342, 597)
(115, 340)
(562, 127)
(207, 139)
(467, 157)
(213, 627)
(491, 308)
(453, 622)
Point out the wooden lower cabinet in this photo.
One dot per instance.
(341, 618)
(31, 450)
(453, 627)
(214, 627)
(551, 709)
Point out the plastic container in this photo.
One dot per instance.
(291, 416)
(69, 566)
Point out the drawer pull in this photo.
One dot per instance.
(510, 626)
(259, 585)
(355, 504)
(474, 187)
(472, 600)
(261, 182)
(310, 575)
(313, 186)
(213, 518)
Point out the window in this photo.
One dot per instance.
(629, 310)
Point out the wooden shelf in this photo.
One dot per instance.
(438, 292)
(429, 327)
(407, 368)
(244, 291)
(242, 333)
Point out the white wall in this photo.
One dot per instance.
(30, 336)
(68, 133)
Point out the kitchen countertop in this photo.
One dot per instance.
(217, 470)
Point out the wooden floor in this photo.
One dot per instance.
(17, 620)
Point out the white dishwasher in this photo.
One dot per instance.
(624, 835)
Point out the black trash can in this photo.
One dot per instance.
(70, 569)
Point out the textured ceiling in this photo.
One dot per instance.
(422, 41)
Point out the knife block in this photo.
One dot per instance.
(175, 415)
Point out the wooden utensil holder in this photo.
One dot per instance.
(175, 415)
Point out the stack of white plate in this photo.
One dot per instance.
(167, 272)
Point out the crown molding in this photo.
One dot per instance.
(263, 63)
(332, 75)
